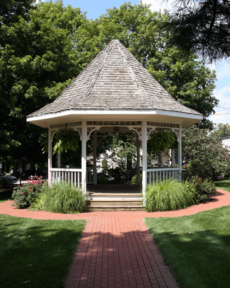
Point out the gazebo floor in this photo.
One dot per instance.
(113, 188)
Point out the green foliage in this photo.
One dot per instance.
(222, 131)
(204, 153)
(37, 61)
(65, 140)
(24, 196)
(118, 174)
(162, 140)
(122, 151)
(134, 179)
(201, 26)
(60, 198)
(169, 195)
(204, 188)
(102, 179)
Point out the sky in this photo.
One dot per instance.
(222, 91)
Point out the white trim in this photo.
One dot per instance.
(83, 156)
(49, 155)
(144, 159)
(65, 170)
(114, 112)
(162, 169)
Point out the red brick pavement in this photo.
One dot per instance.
(116, 249)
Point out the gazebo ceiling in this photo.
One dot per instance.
(114, 85)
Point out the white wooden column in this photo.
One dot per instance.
(49, 155)
(95, 158)
(83, 156)
(180, 153)
(144, 159)
(59, 160)
(138, 158)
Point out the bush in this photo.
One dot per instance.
(102, 179)
(60, 198)
(134, 179)
(169, 195)
(24, 196)
(204, 188)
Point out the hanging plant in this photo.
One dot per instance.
(64, 140)
(162, 140)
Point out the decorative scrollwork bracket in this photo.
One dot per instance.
(138, 131)
(177, 132)
(90, 130)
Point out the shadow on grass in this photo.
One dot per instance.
(200, 259)
(37, 253)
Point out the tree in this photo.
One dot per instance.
(37, 61)
(11, 10)
(222, 131)
(204, 153)
(203, 27)
(139, 29)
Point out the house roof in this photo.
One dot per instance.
(114, 80)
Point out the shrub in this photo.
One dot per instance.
(134, 179)
(24, 196)
(204, 188)
(169, 195)
(102, 179)
(60, 198)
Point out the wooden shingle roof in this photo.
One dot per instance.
(114, 80)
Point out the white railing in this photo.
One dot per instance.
(72, 176)
(159, 174)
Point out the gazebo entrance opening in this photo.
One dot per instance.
(89, 130)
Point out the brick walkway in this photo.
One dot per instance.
(116, 249)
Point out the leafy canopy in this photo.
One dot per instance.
(37, 61)
(222, 131)
(204, 153)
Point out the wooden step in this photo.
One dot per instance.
(110, 202)
(114, 208)
(115, 196)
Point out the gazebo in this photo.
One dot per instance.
(114, 93)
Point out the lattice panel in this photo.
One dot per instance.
(66, 125)
(166, 125)
(116, 123)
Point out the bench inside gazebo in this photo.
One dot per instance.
(114, 93)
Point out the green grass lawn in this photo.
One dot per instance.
(37, 253)
(223, 184)
(197, 247)
(5, 194)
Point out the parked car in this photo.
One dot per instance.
(10, 178)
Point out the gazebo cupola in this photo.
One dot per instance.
(114, 92)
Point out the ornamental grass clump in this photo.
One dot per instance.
(60, 198)
(169, 195)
